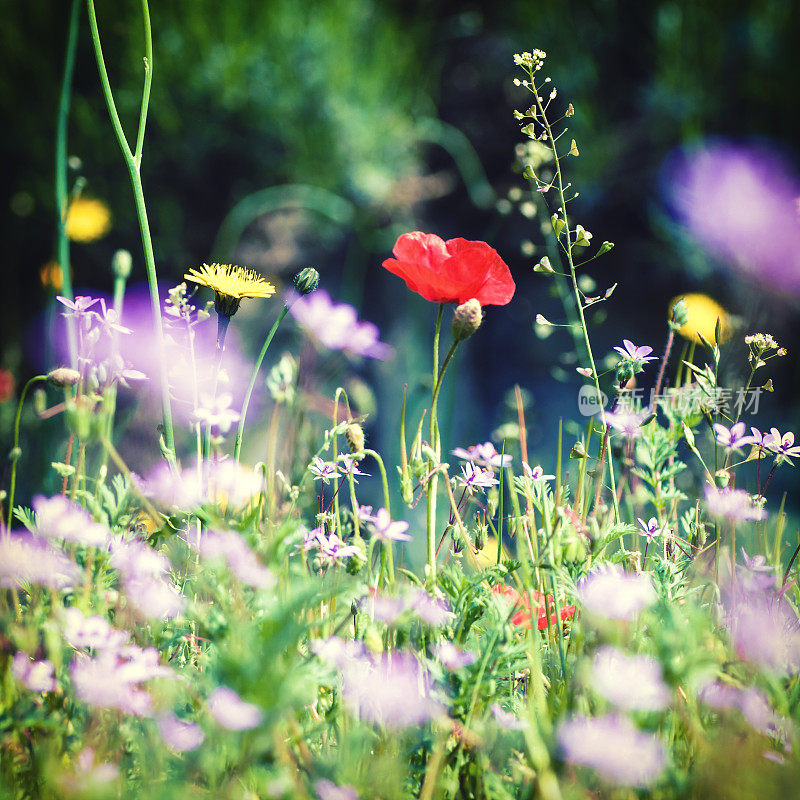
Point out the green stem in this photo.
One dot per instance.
(575, 289)
(237, 447)
(434, 479)
(15, 451)
(62, 198)
(133, 162)
(387, 505)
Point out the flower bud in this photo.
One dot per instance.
(63, 377)
(354, 434)
(307, 280)
(121, 264)
(680, 314)
(466, 319)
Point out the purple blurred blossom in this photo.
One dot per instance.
(179, 735)
(752, 703)
(328, 790)
(506, 719)
(732, 504)
(391, 690)
(765, 630)
(89, 776)
(613, 747)
(384, 609)
(27, 559)
(385, 529)
(626, 421)
(430, 610)
(337, 651)
(756, 575)
(452, 658)
(336, 325)
(734, 438)
(35, 675)
(638, 355)
(59, 518)
(741, 202)
(629, 682)
(91, 632)
(484, 455)
(231, 712)
(241, 560)
(215, 411)
(611, 592)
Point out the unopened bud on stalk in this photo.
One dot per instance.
(466, 319)
(63, 377)
(680, 314)
(307, 280)
(121, 264)
(354, 434)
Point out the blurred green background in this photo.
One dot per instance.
(284, 133)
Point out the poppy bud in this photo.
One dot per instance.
(307, 280)
(63, 377)
(466, 319)
(354, 434)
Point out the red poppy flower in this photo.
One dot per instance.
(453, 271)
(523, 616)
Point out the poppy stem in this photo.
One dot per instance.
(434, 443)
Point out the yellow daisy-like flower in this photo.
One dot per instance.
(87, 219)
(230, 284)
(703, 313)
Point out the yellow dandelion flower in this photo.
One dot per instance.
(230, 284)
(87, 219)
(487, 556)
(703, 313)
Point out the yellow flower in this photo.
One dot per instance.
(487, 557)
(230, 284)
(703, 313)
(87, 219)
(50, 276)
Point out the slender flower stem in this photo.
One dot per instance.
(434, 436)
(570, 261)
(15, 451)
(62, 199)
(237, 447)
(662, 368)
(133, 162)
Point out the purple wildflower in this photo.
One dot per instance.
(753, 704)
(59, 518)
(331, 550)
(782, 445)
(732, 504)
(109, 319)
(179, 735)
(625, 420)
(733, 438)
(386, 530)
(756, 575)
(79, 306)
(611, 592)
(636, 355)
(384, 609)
(484, 455)
(476, 478)
(35, 675)
(241, 560)
(613, 747)
(323, 470)
(350, 466)
(650, 529)
(25, 559)
(452, 658)
(506, 719)
(88, 776)
(629, 682)
(339, 652)
(336, 326)
(328, 790)
(392, 690)
(231, 712)
(536, 474)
